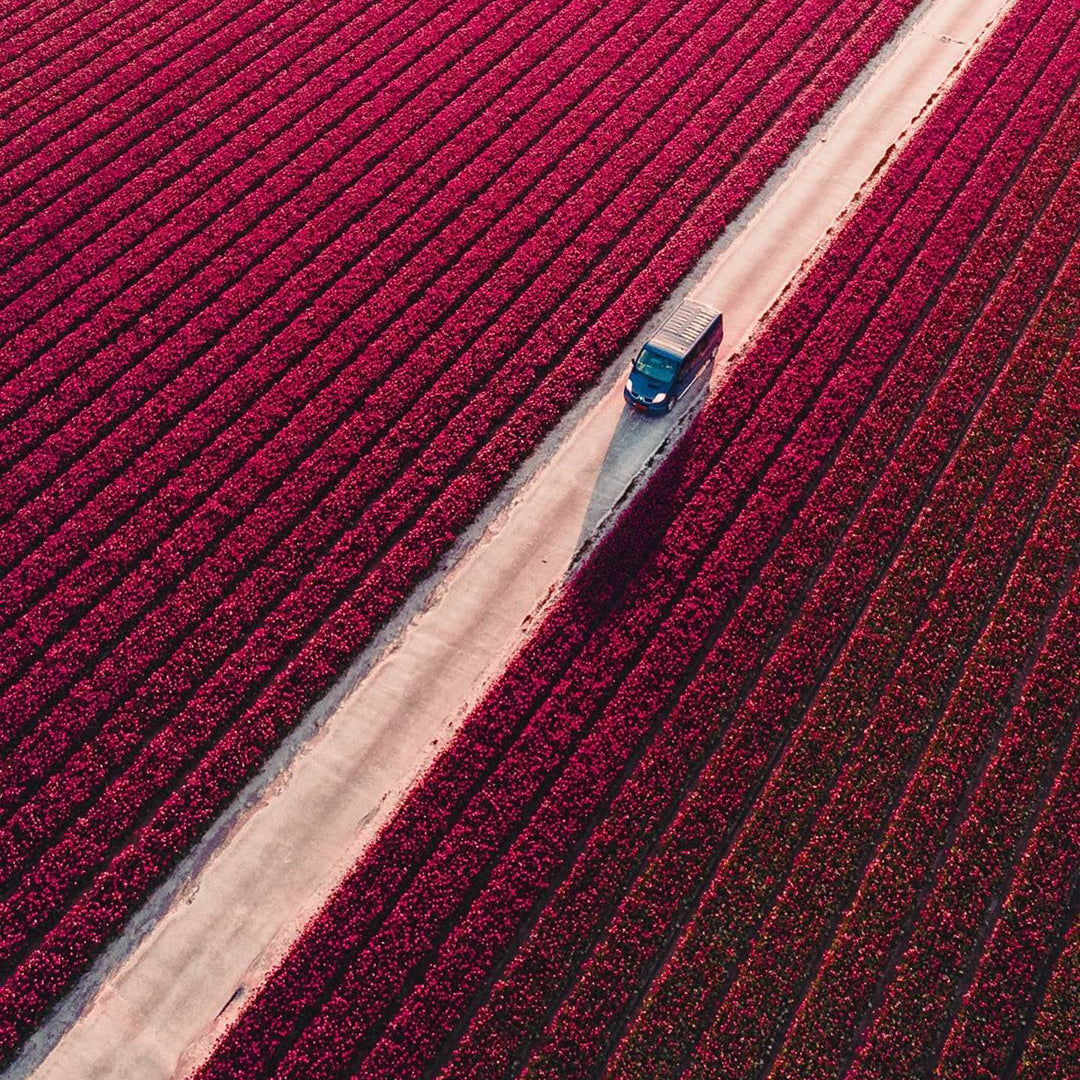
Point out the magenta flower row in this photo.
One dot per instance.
(673, 1017)
(360, 1021)
(202, 527)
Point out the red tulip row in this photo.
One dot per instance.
(991, 1016)
(70, 653)
(1051, 1050)
(575, 631)
(87, 44)
(57, 138)
(275, 663)
(675, 1011)
(644, 918)
(919, 998)
(820, 1040)
(195, 408)
(62, 87)
(35, 576)
(322, 1052)
(51, 95)
(25, 27)
(45, 158)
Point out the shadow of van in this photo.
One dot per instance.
(621, 472)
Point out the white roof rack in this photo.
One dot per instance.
(684, 328)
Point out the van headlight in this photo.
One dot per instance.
(629, 385)
(659, 398)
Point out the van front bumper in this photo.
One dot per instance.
(643, 406)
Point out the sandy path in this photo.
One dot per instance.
(151, 1006)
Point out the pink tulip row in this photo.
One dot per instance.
(1050, 1053)
(275, 672)
(322, 1052)
(88, 46)
(918, 1000)
(62, 86)
(49, 155)
(991, 1017)
(680, 996)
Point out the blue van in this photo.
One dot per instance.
(671, 358)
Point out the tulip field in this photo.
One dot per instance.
(287, 292)
(787, 784)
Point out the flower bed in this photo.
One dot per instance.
(1006, 803)
(201, 528)
(881, 476)
(1051, 1050)
(991, 1017)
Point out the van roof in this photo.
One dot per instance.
(684, 328)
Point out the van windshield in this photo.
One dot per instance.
(655, 364)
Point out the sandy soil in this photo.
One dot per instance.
(152, 1005)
